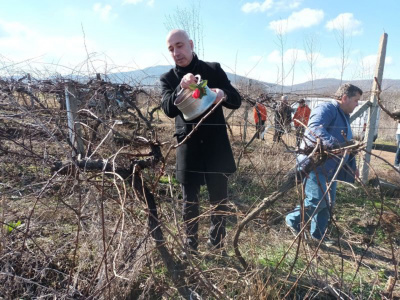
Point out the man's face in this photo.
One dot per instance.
(348, 104)
(180, 48)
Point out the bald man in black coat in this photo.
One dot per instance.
(205, 158)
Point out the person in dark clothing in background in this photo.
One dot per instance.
(206, 157)
(283, 118)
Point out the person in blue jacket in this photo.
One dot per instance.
(330, 122)
(397, 157)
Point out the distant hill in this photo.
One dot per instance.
(144, 77)
(327, 85)
(150, 76)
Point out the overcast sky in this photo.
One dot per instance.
(248, 38)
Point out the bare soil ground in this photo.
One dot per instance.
(85, 234)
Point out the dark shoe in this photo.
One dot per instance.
(217, 249)
(326, 242)
(211, 246)
(184, 255)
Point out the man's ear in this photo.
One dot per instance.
(191, 44)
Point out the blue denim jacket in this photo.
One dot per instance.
(328, 122)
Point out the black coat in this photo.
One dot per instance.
(283, 115)
(208, 150)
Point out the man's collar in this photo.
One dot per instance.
(337, 104)
(190, 67)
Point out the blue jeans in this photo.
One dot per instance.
(397, 158)
(314, 206)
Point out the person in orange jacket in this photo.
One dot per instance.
(260, 116)
(302, 114)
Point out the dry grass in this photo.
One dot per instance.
(85, 234)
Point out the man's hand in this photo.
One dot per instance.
(187, 80)
(220, 95)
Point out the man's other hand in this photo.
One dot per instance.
(220, 95)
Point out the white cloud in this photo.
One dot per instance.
(370, 60)
(305, 18)
(128, 60)
(268, 5)
(274, 57)
(269, 75)
(257, 6)
(287, 4)
(104, 11)
(15, 29)
(367, 64)
(298, 55)
(328, 62)
(345, 22)
(29, 49)
(132, 1)
(148, 2)
(289, 57)
(256, 58)
(19, 42)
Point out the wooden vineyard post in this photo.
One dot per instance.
(30, 90)
(246, 117)
(373, 110)
(246, 113)
(74, 128)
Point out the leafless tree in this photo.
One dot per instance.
(311, 49)
(295, 53)
(343, 39)
(188, 19)
(281, 43)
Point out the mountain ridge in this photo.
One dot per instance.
(150, 76)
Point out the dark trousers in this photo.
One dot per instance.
(278, 133)
(217, 185)
(299, 134)
(397, 157)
